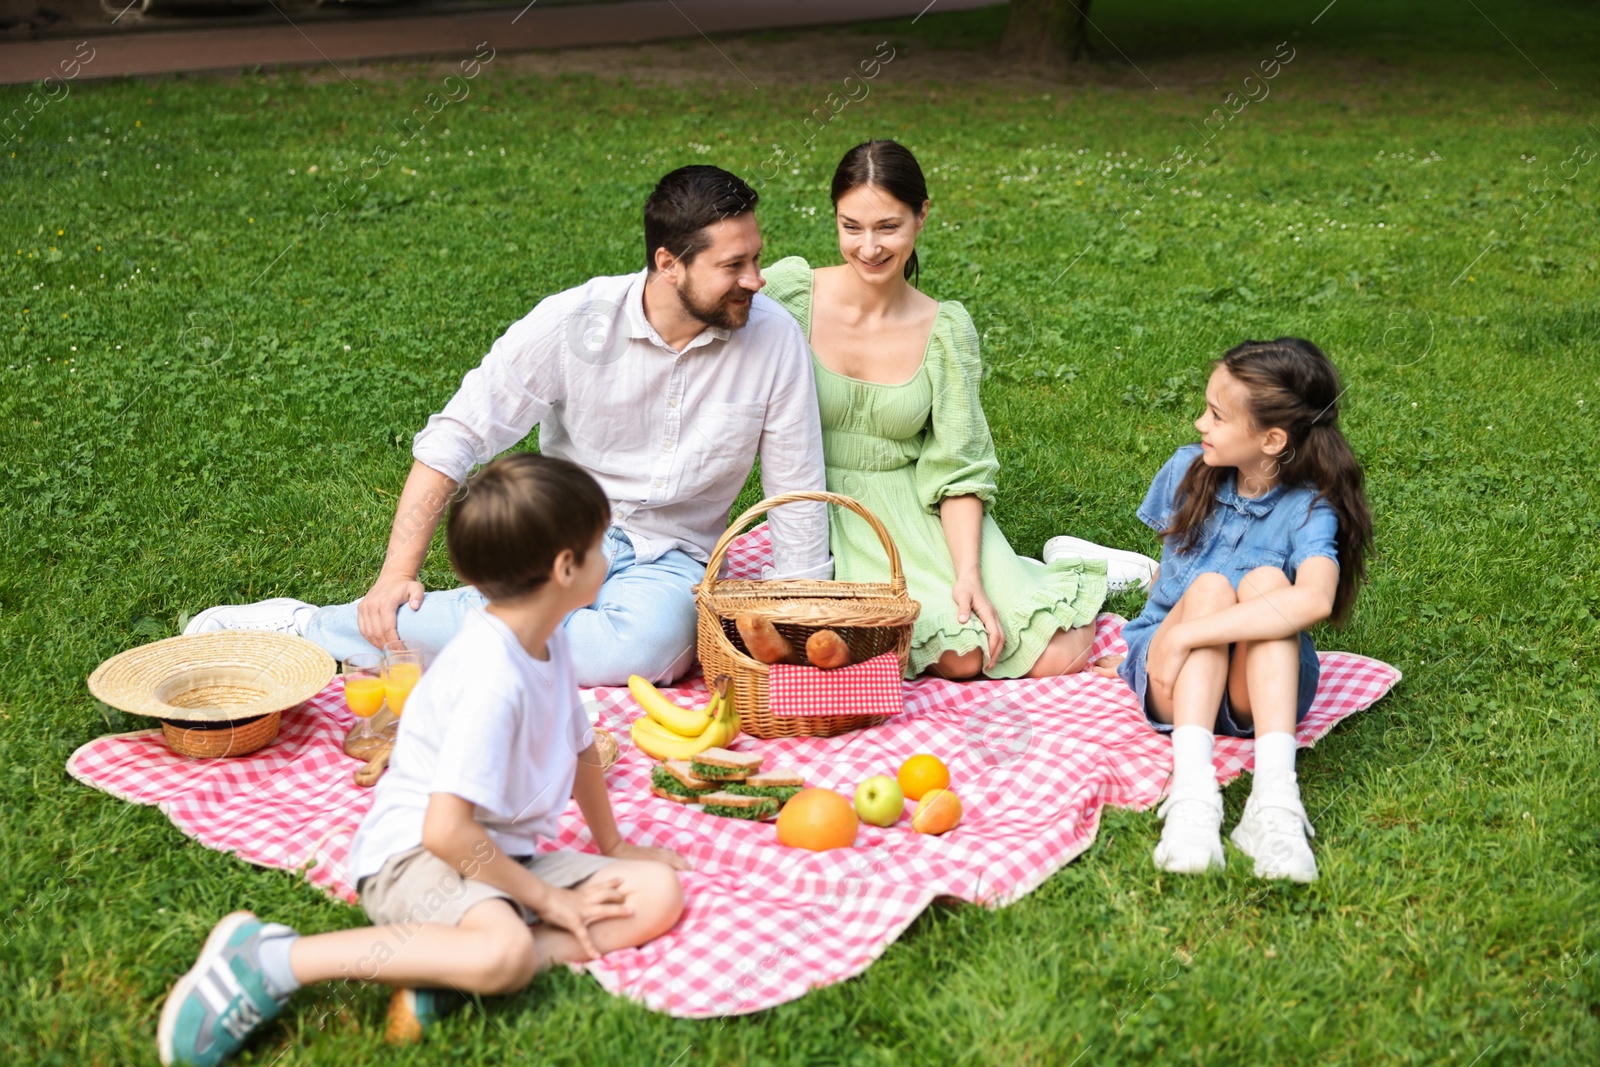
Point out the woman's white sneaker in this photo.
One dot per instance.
(281, 614)
(1124, 570)
(1273, 832)
(1191, 839)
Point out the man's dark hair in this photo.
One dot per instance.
(514, 518)
(687, 201)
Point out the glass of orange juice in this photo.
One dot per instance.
(364, 693)
(402, 668)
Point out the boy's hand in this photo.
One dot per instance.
(574, 909)
(625, 850)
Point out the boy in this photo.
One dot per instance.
(492, 744)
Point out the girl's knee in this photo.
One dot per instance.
(1262, 580)
(1211, 590)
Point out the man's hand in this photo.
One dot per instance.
(624, 850)
(573, 910)
(376, 615)
(971, 599)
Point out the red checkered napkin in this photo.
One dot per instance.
(870, 688)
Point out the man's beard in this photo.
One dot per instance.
(721, 313)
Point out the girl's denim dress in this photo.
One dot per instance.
(1283, 527)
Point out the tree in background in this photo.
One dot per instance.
(1046, 33)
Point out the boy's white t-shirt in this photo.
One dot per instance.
(490, 724)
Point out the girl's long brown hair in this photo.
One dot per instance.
(1294, 387)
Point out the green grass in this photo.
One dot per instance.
(152, 472)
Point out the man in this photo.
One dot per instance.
(664, 385)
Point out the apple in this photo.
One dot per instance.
(879, 800)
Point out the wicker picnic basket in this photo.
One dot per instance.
(872, 617)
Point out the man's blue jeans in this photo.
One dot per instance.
(643, 621)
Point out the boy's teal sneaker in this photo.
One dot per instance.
(220, 1002)
(412, 1011)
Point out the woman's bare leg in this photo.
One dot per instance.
(1067, 653)
(957, 666)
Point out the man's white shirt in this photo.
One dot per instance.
(670, 436)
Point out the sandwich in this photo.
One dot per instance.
(672, 780)
(721, 765)
(780, 785)
(735, 806)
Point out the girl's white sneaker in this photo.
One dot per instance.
(1191, 839)
(1124, 570)
(1273, 832)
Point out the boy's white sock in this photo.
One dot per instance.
(273, 955)
(1275, 756)
(1191, 759)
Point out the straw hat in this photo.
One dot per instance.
(218, 677)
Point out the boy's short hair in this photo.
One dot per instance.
(514, 517)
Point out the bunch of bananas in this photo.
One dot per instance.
(668, 731)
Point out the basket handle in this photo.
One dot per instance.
(897, 577)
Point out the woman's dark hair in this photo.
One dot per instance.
(1294, 387)
(687, 201)
(890, 166)
(516, 515)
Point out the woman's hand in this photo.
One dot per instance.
(573, 910)
(971, 599)
(625, 850)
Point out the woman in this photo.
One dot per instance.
(904, 433)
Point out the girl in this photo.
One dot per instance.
(1265, 531)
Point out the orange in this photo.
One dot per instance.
(921, 774)
(937, 812)
(818, 819)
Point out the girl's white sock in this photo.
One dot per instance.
(1191, 759)
(1275, 756)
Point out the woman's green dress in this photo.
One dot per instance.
(900, 450)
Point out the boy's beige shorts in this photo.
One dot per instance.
(418, 887)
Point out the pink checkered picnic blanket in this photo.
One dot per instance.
(1032, 761)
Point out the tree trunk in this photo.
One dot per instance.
(1046, 34)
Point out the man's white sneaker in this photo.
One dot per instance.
(1124, 570)
(1273, 831)
(1191, 840)
(281, 614)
